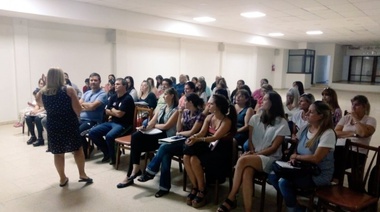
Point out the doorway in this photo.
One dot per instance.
(322, 69)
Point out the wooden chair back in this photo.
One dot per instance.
(364, 183)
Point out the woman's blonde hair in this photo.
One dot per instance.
(54, 81)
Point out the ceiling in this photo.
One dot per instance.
(345, 22)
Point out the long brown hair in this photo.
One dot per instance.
(326, 122)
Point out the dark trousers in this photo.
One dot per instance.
(83, 126)
(30, 122)
(141, 142)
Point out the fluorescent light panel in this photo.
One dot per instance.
(255, 14)
(204, 19)
(315, 32)
(276, 34)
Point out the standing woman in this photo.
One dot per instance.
(329, 97)
(219, 126)
(316, 143)
(63, 109)
(147, 95)
(267, 132)
(165, 120)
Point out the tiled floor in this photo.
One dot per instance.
(29, 181)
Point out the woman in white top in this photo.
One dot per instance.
(291, 104)
(267, 131)
(299, 118)
(357, 126)
(131, 87)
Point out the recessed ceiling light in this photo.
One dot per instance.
(204, 19)
(255, 14)
(276, 34)
(316, 32)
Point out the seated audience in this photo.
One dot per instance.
(31, 105)
(209, 151)
(92, 102)
(194, 80)
(316, 143)
(153, 86)
(86, 86)
(222, 84)
(189, 122)
(357, 126)
(166, 84)
(165, 120)
(208, 90)
(291, 104)
(265, 88)
(120, 111)
(329, 97)
(299, 118)
(107, 86)
(239, 83)
(131, 87)
(244, 114)
(201, 89)
(256, 95)
(160, 90)
(79, 92)
(147, 95)
(181, 85)
(111, 88)
(267, 131)
(34, 118)
(188, 89)
(299, 86)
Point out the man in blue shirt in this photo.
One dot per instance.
(181, 85)
(93, 103)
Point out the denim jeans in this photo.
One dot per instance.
(164, 158)
(288, 188)
(85, 125)
(37, 121)
(110, 130)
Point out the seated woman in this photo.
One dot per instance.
(299, 118)
(200, 155)
(267, 131)
(291, 104)
(329, 96)
(265, 88)
(189, 122)
(316, 142)
(147, 95)
(244, 114)
(131, 87)
(357, 126)
(164, 120)
(239, 83)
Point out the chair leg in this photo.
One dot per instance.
(279, 201)
(184, 180)
(180, 166)
(263, 187)
(118, 153)
(216, 192)
(23, 127)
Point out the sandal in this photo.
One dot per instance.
(191, 196)
(223, 207)
(200, 199)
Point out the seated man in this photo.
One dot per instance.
(93, 103)
(120, 110)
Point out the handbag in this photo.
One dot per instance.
(299, 168)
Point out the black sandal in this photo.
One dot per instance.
(191, 196)
(229, 203)
(199, 201)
